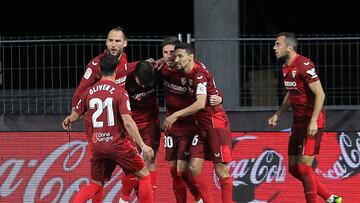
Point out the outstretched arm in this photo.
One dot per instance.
(74, 116)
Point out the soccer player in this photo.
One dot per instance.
(178, 140)
(107, 106)
(140, 85)
(212, 122)
(115, 44)
(305, 95)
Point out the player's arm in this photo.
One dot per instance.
(285, 105)
(133, 131)
(318, 91)
(198, 105)
(88, 79)
(76, 113)
(131, 66)
(74, 116)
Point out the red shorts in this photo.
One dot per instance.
(302, 144)
(212, 144)
(124, 155)
(150, 133)
(177, 145)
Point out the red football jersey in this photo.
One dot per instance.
(175, 87)
(297, 77)
(92, 75)
(201, 82)
(104, 103)
(143, 101)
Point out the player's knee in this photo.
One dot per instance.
(150, 166)
(304, 170)
(173, 172)
(142, 173)
(221, 170)
(294, 171)
(195, 170)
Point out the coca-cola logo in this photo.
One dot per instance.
(267, 167)
(348, 163)
(248, 173)
(47, 167)
(43, 186)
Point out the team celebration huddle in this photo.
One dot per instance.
(118, 103)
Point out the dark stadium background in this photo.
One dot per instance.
(38, 18)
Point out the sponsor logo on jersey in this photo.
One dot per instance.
(290, 83)
(174, 88)
(142, 95)
(120, 80)
(293, 73)
(88, 73)
(312, 73)
(102, 137)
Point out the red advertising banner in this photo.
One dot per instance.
(51, 166)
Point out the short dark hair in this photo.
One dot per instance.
(144, 71)
(172, 40)
(290, 39)
(189, 49)
(108, 64)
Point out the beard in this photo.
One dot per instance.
(171, 65)
(282, 59)
(115, 53)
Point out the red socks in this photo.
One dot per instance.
(87, 192)
(128, 184)
(226, 189)
(179, 186)
(145, 190)
(153, 176)
(322, 191)
(309, 182)
(203, 188)
(190, 182)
